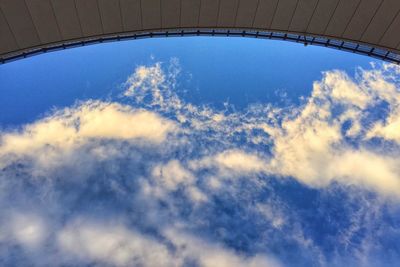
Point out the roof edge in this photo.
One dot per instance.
(366, 49)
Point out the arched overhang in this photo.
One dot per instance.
(30, 27)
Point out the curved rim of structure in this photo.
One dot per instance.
(345, 45)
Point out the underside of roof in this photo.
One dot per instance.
(370, 27)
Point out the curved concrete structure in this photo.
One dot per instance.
(371, 27)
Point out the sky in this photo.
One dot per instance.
(199, 151)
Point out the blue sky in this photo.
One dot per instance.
(217, 70)
(199, 152)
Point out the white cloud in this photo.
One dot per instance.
(342, 89)
(311, 146)
(112, 244)
(69, 129)
(200, 150)
(239, 161)
(232, 162)
(271, 214)
(154, 80)
(308, 143)
(210, 255)
(376, 172)
(26, 229)
(171, 176)
(390, 129)
(143, 78)
(115, 121)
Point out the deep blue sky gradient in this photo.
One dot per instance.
(217, 69)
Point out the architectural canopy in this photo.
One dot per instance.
(370, 27)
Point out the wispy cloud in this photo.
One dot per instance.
(159, 181)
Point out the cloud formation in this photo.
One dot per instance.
(315, 146)
(118, 245)
(323, 141)
(92, 119)
(151, 180)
